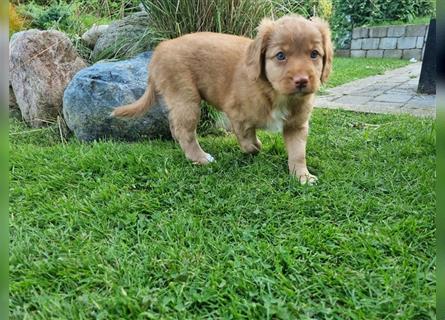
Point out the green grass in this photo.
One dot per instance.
(347, 69)
(112, 230)
(415, 20)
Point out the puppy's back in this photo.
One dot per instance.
(206, 59)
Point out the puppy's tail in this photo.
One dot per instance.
(140, 106)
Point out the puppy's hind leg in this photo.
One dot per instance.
(184, 116)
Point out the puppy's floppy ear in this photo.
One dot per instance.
(256, 50)
(323, 26)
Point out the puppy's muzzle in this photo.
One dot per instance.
(300, 82)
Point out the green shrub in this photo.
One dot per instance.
(348, 14)
(361, 12)
(172, 18)
(101, 8)
(307, 8)
(55, 16)
(108, 8)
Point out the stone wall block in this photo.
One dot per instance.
(396, 31)
(388, 43)
(358, 53)
(378, 32)
(406, 43)
(374, 54)
(371, 43)
(415, 31)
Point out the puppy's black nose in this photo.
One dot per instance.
(301, 81)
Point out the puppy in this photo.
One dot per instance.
(256, 83)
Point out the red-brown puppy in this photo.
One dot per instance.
(257, 83)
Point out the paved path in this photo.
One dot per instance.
(392, 92)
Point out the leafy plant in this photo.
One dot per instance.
(55, 16)
(353, 13)
(173, 18)
(320, 8)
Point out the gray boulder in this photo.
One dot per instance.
(122, 35)
(14, 110)
(41, 63)
(90, 37)
(95, 91)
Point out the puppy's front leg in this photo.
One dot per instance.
(247, 138)
(295, 137)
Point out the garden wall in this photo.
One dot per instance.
(403, 42)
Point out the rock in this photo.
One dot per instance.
(122, 35)
(41, 63)
(90, 37)
(95, 91)
(14, 110)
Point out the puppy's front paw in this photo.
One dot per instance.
(205, 159)
(210, 158)
(252, 148)
(303, 176)
(308, 178)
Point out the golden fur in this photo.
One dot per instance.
(247, 79)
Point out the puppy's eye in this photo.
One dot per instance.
(280, 56)
(314, 54)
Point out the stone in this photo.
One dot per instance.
(415, 30)
(41, 63)
(356, 44)
(358, 53)
(422, 101)
(14, 110)
(420, 112)
(374, 54)
(350, 99)
(342, 53)
(95, 91)
(370, 43)
(412, 53)
(396, 31)
(406, 43)
(378, 32)
(90, 37)
(384, 107)
(392, 92)
(396, 53)
(391, 97)
(360, 33)
(121, 35)
(388, 43)
(420, 42)
(12, 99)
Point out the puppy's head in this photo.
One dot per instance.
(294, 54)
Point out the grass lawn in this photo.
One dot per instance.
(113, 230)
(416, 20)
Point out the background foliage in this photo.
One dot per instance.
(348, 14)
(171, 18)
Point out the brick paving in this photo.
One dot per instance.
(393, 92)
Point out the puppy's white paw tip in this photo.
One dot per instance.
(210, 158)
(310, 180)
